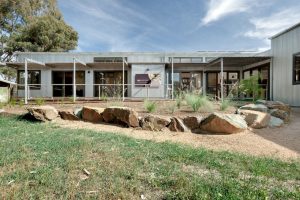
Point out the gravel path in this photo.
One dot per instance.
(282, 143)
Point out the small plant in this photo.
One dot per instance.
(12, 102)
(172, 107)
(150, 106)
(1, 105)
(179, 99)
(39, 101)
(225, 104)
(251, 87)
(21, 102)
(197, 101)
(103, 97)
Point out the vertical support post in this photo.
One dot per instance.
(172, 78)
(74, 79)
(123, 80)
(26, 82)
(204, 82)
(222, 80)
(167, 88)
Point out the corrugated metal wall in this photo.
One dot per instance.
(283, 48)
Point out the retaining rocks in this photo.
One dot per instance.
(92, 114)
(43, 113)
(256, 119)
(223, 123)
(154, 122)
(121, 115)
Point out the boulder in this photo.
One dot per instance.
(223, 123)
(256, 107)
(177, 125)
(92, 114)
(43, 113)
(121, 115)
(68, 115)
(154, 122)
(281, 114)
(275, 122)
(275, 105)
(192, 122)
(78, 112)
(256, 119)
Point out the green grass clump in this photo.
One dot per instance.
(39, 101)
(150, 106)
(225, 104)
(45, 161)
(196, 101)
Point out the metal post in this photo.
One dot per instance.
(26, 82)
(222, 81)
(172, 76)
(74, 79)
(123, 81)
(167, 88)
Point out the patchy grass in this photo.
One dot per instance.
(43, 161)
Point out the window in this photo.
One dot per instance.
(33, 80)
(296, 69)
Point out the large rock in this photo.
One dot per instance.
(223, 123)
(177, 125)
(78, 112)
(256, 119)
(256, 107)
(154, 122)
(43, 113)
(281, 114)
(192, 122)
(92, 114)
(275, 105)
(68, 115)
(121, 115)
(275, 122)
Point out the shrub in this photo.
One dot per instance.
(251, 87)
(225, 104)
(39, 101)
(179, 99)
(172, 107)
(150, 106)
(197, 101)
(21, 102)
(12, 102)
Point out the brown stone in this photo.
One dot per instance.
(275, 105)
(281, 114)
(92, 114)
(121, 115)
(154, 122)
(43, 113)
(177, 125)
(223, 123)
(68, 115)
(192, 122)
(256, 119)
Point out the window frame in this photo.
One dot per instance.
(294, 69)
(38, 87)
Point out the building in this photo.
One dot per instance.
(160, 75)
(6, 88)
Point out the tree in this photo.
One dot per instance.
(33, 25)
(251, 87)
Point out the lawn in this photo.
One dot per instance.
(44, 161)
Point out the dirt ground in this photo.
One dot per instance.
(282, 143)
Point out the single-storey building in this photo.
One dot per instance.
(160, 74)
(6, 89)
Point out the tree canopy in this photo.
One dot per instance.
(33, 25)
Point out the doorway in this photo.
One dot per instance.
(62, 83)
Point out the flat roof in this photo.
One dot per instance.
(285, 31)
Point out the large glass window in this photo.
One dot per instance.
(296, 68)
(33, 80)
(62, 82)
(187, 81)
(109, 83)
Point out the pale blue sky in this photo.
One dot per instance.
(178, 25)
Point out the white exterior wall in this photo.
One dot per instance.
(283, 48)
(141, 92)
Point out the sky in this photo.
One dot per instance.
(178, 25)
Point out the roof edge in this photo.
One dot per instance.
(285, 31)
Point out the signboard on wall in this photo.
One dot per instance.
(149, 80)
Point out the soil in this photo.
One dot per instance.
(282, 143)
